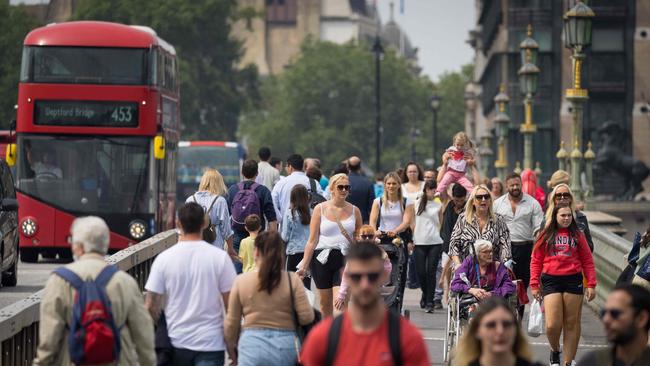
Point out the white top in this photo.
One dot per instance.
(457, 160)
(193, 275)
(330, 236)
(413, 195)
(281, 193)
(427, 224)
(391, 214)
(522, 223)
(267, 175)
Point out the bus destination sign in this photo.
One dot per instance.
(86, 113)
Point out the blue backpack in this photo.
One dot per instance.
(94, 337)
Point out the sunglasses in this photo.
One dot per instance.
(613, 313)
(482, 197)
(506, 324)
(564, 195)
(367, 236)
(372, 276)
(341, 187)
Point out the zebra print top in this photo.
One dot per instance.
(465, 234)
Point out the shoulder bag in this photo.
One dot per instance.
(301, 330)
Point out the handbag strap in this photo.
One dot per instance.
(342, 229)
(294, 315)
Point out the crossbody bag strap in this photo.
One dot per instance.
(342, 229)
(293, 306)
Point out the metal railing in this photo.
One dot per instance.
(609, 257)
(19, 321)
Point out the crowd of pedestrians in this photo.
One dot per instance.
(236, 285)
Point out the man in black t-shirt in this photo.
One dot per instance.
(454, 207)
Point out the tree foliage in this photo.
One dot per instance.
(323, 105)
(213, 91)
(15, 26)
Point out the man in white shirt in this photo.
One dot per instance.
(523, 215)
(267, 175)
(191, 275)
(281, 193)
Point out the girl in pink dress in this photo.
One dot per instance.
(456, 160)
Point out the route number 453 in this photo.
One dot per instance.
(122, 114)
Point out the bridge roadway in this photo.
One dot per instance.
(32, 277)
(433, 325)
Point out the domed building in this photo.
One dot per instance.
(393, 36)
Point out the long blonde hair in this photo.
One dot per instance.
(469, 206)
(469, 347)
(212, 182)
(548, 217)
(400, 197)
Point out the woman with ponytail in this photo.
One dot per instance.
(266, 300)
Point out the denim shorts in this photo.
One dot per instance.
(265, 346)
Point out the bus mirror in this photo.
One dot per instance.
(10, 156)
(159, 147)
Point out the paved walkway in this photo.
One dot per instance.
(432, 327)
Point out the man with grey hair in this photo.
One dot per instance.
(90, 240)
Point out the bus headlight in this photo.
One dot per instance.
(137, 229)
(29, 227)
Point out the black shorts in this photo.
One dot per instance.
(571, 284)
(327, 275)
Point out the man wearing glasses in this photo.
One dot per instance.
(626, 318)
(367, 333)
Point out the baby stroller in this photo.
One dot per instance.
(393, 291)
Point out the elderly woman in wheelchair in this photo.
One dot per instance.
(481, 276)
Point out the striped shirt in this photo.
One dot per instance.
(465, 234)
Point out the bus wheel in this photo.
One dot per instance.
(28, 255)
(10, 277)
(65, 254)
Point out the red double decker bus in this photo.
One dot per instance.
(97, 131)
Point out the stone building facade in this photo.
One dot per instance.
(616, 74)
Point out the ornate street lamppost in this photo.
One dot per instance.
(434, 103)
(528, 79)
(502, 121)
(378, 50)
(577, 36)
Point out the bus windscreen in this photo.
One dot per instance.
(84, 65)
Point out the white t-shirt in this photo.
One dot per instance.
(193, 275)
(391, 214)
(427, 224)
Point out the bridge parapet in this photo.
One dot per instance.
(19, 321)
(609, 257)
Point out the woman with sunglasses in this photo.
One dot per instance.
(428, 243)
(331, 231)
(493, 338)
(562, 195)
(560, 256)
(391, 213)
(479, 222)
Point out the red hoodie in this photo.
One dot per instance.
(567, 257)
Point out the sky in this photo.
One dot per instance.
(439, 28)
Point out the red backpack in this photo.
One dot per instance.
(94, 337)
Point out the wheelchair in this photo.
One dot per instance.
(460, 310)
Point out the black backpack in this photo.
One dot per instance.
(314, 197)
(210, 232)
(393, 338)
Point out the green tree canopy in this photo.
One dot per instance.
(213, 90)
(15, 26)
(323, 105)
